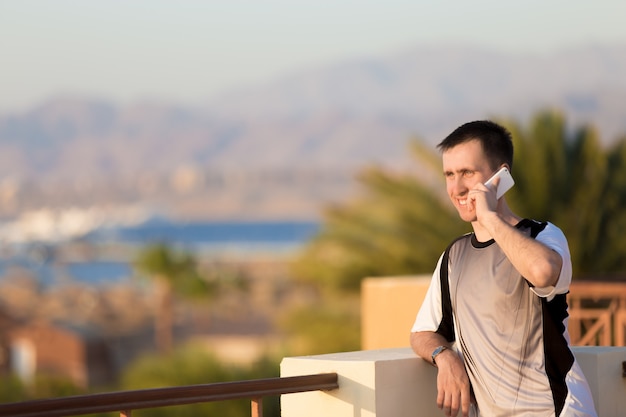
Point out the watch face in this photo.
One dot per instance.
(437, 352)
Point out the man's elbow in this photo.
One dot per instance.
(417, 341)
(546, 274)
(413, 339)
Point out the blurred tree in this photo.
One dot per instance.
(403, 222)
(43, 386)
(399, 226)
(324, 327)
(570, 179)
(191, 365)
(173, 272)
(50, 386)
(12, 389)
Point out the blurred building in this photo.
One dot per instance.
(58, 350)
(6, 322)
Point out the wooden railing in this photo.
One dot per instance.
(597, 313)
(125, 402)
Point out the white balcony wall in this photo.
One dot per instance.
(395, 382)
(387, 379)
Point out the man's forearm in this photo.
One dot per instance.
(536, 262)
(424, 343)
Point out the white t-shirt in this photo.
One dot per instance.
(512, 337)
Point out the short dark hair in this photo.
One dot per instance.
(495, 140)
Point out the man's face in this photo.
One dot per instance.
(464, 166)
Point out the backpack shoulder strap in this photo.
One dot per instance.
(446, 327)
(535, 226)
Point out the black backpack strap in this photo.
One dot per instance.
(534, 226)
(446, 327)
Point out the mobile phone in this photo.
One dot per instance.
(505, 184)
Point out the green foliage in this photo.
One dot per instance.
(12, 389)
(49, 386)
(193, 365)
(173, 273)
(400, 226)
(42, 387)
(571, 180)
(186, 366)
(332, 327)
(189, 365)
(403, 222)
(178, 269)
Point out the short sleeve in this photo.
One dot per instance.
(553, 237)
(430, 314)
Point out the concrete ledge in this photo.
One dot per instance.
(602, 367)
(397, 383)
(387, 382)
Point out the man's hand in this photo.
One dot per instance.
(482, 199)
(453, 386)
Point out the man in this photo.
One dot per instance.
(494, 320)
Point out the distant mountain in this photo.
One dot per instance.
(334, 118)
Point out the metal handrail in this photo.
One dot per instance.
(126, 401)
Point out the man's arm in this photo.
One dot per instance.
(453, 386)
(536, 262)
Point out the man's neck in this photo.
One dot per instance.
(505, 214)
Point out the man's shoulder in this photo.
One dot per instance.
(458, 245)
(534, 226)
(459, 239)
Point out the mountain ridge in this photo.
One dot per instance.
(336, 117)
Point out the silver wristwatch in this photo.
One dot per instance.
(436, 352)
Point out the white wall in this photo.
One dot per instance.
(397, 383)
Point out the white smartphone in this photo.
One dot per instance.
(505, 184)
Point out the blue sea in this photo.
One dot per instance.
(198, 235)
(202, 238)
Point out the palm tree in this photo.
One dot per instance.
(402, 222)
(172, 272)
(399, 226)
(571, 179)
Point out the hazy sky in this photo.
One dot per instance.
(188, 51)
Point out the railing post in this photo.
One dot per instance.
(257, 407)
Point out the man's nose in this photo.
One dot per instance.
(458, 186)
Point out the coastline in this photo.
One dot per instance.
(105, 254)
